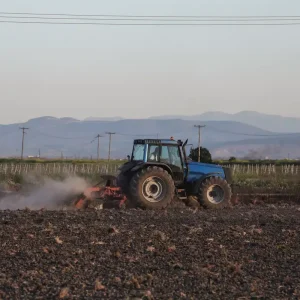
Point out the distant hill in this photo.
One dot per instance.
(73, 138)
(103, 119)
(268, 122)
(279, 147)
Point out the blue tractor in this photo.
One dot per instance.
(159, 170)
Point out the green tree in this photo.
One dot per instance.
(205, 155)
(232, 159)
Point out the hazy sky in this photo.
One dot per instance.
(81, 71)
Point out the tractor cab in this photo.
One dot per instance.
(166, 152)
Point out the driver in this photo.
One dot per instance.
(154, 154)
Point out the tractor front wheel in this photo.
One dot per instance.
(214, 193)
(152, 188)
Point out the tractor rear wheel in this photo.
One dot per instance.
(122, 182)
(152, 188)
(214, 193)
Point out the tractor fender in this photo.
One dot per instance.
(127, 167)
(197, 182)
(161, 165)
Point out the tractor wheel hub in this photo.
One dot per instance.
(215, 194)
(153, 189)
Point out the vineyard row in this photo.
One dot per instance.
(68, 169)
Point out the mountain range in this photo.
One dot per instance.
(245, 134)
(269, 122)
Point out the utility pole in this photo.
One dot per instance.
(23, 133)
(98, 148)
(199, 139)
(110, 133)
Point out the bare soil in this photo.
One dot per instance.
(245, 252)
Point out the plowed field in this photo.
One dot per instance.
(238, 253)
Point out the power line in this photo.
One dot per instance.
(82, 137)
(59, 137)
(142, 16)
(178, 19)
(150, 24)
(23, 134)
(3, 134)
(253, 134)
(155, 134)
(202, 19)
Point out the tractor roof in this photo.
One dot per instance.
(158, 141)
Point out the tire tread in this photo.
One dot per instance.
(135, 188)
(206, 184)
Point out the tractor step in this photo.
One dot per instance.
(181, 194)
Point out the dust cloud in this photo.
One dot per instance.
(51, 194)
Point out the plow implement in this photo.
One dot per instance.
(107, 196)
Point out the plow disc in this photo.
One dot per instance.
(109, 195)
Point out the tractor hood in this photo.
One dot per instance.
(197, 171)
(194, 164)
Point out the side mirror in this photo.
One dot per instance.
(185, 142)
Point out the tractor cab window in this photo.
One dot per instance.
(153, 153)
(164, 157)
(138, 152)
(170, 155)
(175, 156)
